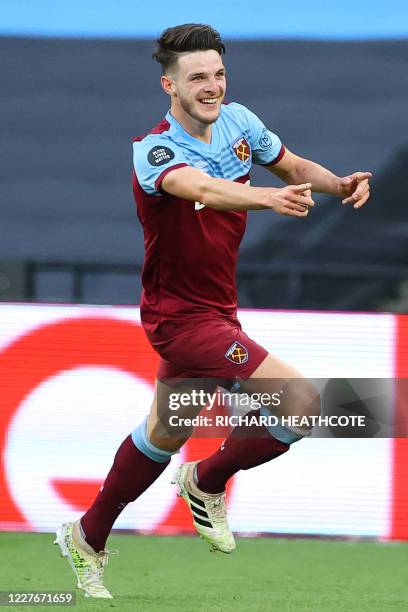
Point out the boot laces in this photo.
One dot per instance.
(93, 574)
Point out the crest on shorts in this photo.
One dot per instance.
(237, 353)
(242, 150)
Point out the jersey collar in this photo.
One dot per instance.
(198, 144)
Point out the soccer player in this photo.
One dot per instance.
(191, 185)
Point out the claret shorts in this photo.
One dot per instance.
(205, 347)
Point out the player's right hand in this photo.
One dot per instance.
(293, 200)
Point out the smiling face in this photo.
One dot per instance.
(196, 84)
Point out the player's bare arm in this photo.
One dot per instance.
(222, 194)
(353, 189)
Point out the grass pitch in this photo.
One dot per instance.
(160, 574)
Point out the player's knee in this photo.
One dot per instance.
(146, 444)
(300, 413)
(308, 410)
(311, 401)
(170, 443)
(303, 399)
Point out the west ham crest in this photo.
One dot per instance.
(242, 150)
(237, 353)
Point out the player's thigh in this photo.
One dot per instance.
(273, 377)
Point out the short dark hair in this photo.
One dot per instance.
(184, 38)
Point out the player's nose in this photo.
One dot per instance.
(211, 85)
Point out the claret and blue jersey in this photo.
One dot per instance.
(239, 138)
(191, 250)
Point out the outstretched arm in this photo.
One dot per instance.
(195, 185)
(353, 189)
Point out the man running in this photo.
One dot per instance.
(191, 185)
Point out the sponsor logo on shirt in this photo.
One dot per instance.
(242, 150)
(265, 140)
(158, 156)
(237, 353)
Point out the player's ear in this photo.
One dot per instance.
(168, 85)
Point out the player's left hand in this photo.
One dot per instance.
(355, 188)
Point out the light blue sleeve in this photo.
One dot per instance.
(266, 146)
(153, 158)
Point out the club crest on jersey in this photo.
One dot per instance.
(242, 150)
(237, 353)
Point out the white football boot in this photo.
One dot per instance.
(208, 510)
(87, 565)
